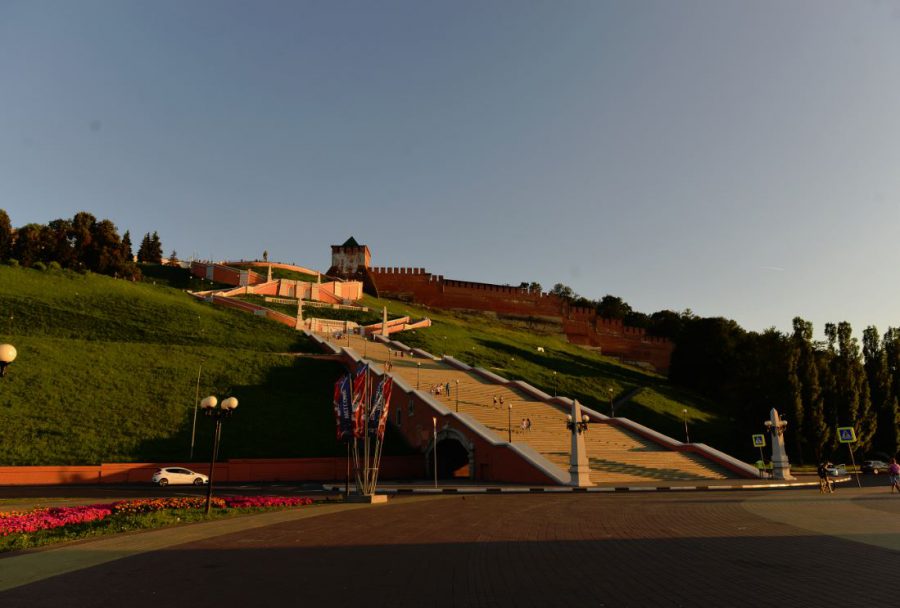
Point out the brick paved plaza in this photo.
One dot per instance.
(793, 548)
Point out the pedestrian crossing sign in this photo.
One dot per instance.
(759, 441)
(846, 434)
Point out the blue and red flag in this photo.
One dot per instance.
(342, 408)
(378, 401)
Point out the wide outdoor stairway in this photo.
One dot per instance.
(615, 455)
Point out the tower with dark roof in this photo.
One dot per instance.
(350, 260)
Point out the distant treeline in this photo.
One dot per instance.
(81, 243)
(817, 386)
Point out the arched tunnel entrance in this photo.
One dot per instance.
(455, 456)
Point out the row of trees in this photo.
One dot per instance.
(82, 243)
(818, 386)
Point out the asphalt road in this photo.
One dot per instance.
(794, 548)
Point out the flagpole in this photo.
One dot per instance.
(379, 439)
(368, 413)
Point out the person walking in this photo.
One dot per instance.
(825, 486)
(447, 389)
(894, 474)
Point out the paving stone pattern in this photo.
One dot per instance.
(524, 551)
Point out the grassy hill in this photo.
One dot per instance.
(509, 348)
(107, 371)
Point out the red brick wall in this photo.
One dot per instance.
(285, 469)
(581, 325)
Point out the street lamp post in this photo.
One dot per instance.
(612, 405)
(7, 356)
(687, 437)
(457, 396)
(579, 426)
(555, 381)
(225, 410)
(434, 448)
(418, 368)
(509, 422)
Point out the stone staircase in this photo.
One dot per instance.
(616, 455)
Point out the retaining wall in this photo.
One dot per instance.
(249, 470)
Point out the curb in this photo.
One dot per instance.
(591, 490)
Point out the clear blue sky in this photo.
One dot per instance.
(738, 158)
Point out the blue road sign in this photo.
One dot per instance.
(846, 434)
(759, 441)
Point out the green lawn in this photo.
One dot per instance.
(107, 371)
(284, 273)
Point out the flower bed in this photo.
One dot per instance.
(24, 522)
(47, 519)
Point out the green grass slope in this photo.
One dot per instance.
(107, 371)
(510, 349)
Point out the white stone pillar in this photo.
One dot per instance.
(579, 466)
(781, 467)
(384, 327)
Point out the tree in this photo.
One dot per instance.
(879, 380)
(173, 257)
(564, 291)
(888, 438)
(808, 425)
(126, 247)
(155, 254)
(613, 307)
(31, 244)
(266, 255)
(143, 253)
(6, 235)
(853, 406)
(83, 224)
(61, 243)
(666, 324)
(106, 249)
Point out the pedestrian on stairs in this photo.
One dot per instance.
(495, 401)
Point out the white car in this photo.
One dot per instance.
(178, 476)
(836, 470)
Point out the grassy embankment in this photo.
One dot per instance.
(107, 371)
(510, 349)
(284, 273)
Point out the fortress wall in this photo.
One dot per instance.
(631, 345)
(412, 284)
(416, 285)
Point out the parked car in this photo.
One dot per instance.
(874, 466)
(836, 470)
(178, 476)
